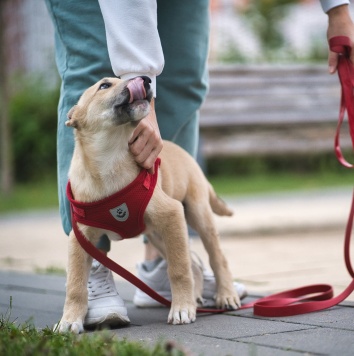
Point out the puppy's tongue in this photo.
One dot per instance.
(136, 89)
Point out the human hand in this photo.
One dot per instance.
(339, 24)
(146, 143)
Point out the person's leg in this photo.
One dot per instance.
(182, 86)
(82, 59)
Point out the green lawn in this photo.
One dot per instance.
(38, 195)
(44, 195)
(279, 182)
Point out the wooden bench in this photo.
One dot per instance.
(270, 109)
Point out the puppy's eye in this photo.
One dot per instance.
(104, 86)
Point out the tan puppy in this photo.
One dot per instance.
(104, 120)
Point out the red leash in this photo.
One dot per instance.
(296, 301)
(320, 296)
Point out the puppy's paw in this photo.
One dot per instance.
(75, 327)
(182, 315)
(230, 301)
(201, 302)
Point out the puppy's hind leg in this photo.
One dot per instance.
(75, 307)
(199, 216)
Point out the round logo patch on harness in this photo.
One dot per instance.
(120, 213)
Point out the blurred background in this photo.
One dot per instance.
(259, 50)
(267, 125)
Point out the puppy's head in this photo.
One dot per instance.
(110, 103)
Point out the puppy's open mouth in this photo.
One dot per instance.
(137, 90)
(134, 101)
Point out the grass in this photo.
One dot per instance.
(26, 340)
(52, 270)
(43, 195)
(31, 196)
(279, 182)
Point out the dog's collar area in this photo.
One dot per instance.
(123, 211)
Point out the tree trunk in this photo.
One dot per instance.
(6, 166)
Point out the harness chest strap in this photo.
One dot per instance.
(123, 211)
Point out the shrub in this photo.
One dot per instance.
(33, 119)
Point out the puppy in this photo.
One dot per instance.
(104, 120)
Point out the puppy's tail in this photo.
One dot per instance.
(218, 206)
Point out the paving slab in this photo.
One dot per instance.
(231, 327)
(318, 341)
(340, 317)
(199, 344)
(40, 298)
(35, 298)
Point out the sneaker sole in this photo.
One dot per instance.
(111, 319)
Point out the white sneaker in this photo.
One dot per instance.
(157, 279)
(105, 306)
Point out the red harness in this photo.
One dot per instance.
(122, 212)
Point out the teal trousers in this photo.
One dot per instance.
(82, 59)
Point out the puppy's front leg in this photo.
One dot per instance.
(172, 227)
(75, 307)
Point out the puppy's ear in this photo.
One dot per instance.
(71, 122)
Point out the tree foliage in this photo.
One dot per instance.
(265, 17)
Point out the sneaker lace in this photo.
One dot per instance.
(99, 283)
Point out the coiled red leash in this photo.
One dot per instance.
(295, 301)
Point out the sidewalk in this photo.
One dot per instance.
(274, 242)
(240, 333)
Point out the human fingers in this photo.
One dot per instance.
(146, 143)
(332, 62)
